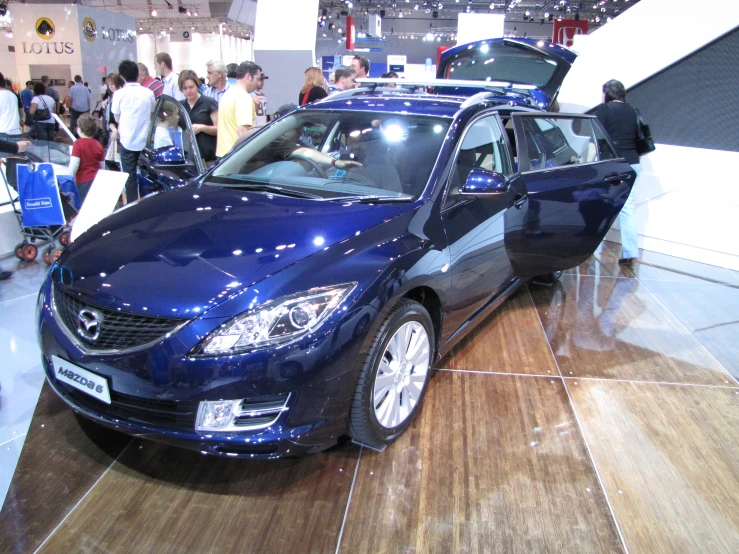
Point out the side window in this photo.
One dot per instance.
(170, 130)
(483, 147)
(605, 150)
(555, 142)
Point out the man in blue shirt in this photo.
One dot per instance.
(78, 99)
(26, 97)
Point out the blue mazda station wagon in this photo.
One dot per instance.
(302, 289)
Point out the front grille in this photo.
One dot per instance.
(162, 413)
(118, 330)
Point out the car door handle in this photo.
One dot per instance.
(615, 177)
(520, 200)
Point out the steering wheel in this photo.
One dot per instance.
(312, 163)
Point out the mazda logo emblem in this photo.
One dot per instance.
(88, 324)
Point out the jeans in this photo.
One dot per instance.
(129, 161)
(43, 131)
(627, 222)
(83, 189)
(74, 115)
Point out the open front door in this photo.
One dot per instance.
(171, 157)
(576, 187)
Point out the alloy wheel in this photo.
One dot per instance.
(402, 374)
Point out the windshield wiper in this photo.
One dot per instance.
(371, 199)
(261, 187)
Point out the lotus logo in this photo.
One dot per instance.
(89, 29)
(45, 28)
(88, 324)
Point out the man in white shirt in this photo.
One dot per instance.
(132, 106)
(10, 112)
(217, 80)
(163, 65)
(103, 87)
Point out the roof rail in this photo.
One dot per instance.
(493, 86)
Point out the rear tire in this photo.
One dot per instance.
(64, 238)
(19, 250)
(394, 376)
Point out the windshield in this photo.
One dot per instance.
(501, 62)
(339, 155)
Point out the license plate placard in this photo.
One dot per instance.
(82, 379)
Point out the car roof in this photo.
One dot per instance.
(386, 101)
(391, 102)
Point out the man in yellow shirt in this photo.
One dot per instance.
(236, 110)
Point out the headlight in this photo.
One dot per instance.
(275, 322)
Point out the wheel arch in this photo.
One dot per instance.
(427, 297)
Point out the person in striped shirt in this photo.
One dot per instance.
(154, 85)
(217, 80)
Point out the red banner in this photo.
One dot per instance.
(351, 33)
(565, 31)
(439, 51)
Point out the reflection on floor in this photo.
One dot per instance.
(599, 414)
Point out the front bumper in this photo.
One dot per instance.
(155, 393)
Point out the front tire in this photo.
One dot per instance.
(548, 278)
(394, 376)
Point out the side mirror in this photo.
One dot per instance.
(168, 156)
(483, 181)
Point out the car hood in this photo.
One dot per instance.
(185, 251)
(505, 55)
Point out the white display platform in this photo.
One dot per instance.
(100, 201)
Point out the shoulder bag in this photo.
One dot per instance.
(42, 115)
(644, 142)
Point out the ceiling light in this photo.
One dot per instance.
(153, 12)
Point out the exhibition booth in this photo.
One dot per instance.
(62, 41)
(402, 317)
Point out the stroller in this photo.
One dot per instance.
(48, 215)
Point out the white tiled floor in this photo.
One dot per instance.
(21, 374)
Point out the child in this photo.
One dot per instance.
(87, 155)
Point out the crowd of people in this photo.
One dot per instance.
(222, 107)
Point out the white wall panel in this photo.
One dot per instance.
(687, 205)
(645, 39)
(479, 26)
(286, 25)
(194, 55)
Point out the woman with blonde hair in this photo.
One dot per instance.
(313, 87)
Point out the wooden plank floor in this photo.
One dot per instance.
(595, 415)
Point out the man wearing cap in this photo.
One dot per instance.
(260, 102)
(26, 97)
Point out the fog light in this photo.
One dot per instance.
(216, 414)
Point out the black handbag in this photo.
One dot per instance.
(644, 142)
(42, 115)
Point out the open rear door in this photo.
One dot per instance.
(576, 186)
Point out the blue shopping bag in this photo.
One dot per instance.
(39, 195)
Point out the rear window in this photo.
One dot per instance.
(500, 62)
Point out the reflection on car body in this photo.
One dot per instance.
(276, 302)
